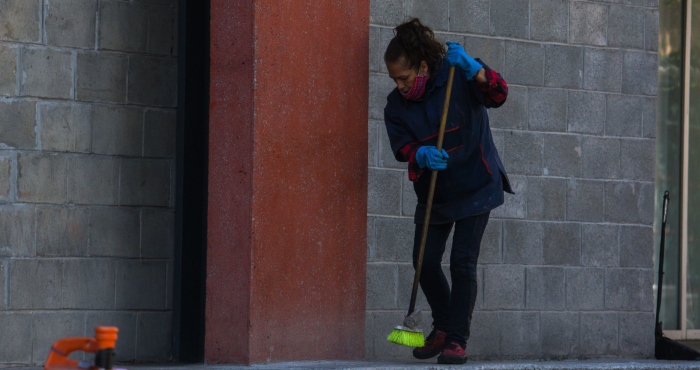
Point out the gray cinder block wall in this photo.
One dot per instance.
(566, 264)
(87, 141)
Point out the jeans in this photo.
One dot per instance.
(452, 311)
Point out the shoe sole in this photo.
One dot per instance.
(429, 354)
(458, 360)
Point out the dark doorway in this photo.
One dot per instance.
(192, 173)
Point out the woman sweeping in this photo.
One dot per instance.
(471, 180)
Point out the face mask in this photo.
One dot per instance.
(417, 89)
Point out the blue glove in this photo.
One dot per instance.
(456, 56)
(428, 156)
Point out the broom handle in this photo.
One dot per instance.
(662, 250)
(431, 192)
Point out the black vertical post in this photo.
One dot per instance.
(192, 174)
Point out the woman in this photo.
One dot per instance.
(471, 181)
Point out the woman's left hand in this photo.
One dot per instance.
(456, 56)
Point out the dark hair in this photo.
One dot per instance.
(414, 42)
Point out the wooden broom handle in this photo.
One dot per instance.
(431, 193)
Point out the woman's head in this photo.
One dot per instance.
(412, 52)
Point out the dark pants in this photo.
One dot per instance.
(452, 311)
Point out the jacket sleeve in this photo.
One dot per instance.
(493, 92)
(403, 144)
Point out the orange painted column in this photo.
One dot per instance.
(287, 180)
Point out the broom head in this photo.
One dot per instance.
(407, 337)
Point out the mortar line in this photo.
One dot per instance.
(74, 87)
(42, 22)
(98, 6)
(7, 284)
(20, 71)
(14, 174)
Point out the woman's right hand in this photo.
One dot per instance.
(429, 156)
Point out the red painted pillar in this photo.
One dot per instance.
(287, 180)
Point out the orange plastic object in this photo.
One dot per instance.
(105, 338)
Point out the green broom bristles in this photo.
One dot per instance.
(406, 337)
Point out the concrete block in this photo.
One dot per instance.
(114, 232)
(520, 334)
(649, 118)
(639, 73)
(547, 110)
(586, 112)
(522, 242)
(560, 333)
(65, 127)
(21, 20)
(381, 286)
(17, 225)
(623, 202)
(492, 243)
(504, 287)
(470, 16)
(626, 26)
(598, 333)
(380, 85)
(629, 290)
(602, 69)
(515, 205)
(125, 321)
(384, 192)
(88, 284)
(17, 124)
(117, 130)
(585, 200)
(35, 284)
(154, 331)
(524, 63)
(101, 77)
(71, 23)
(636, 246)
(8, 70)
(545, 288)
(383, 323)
(549, 20)
(376, 52)
(523, 153)
(157, 233)
(47, 73)
(646, 203)
(634, 340)
(162, 33)
(371, 239)
(588, 23)
(145, 182)
(93, 180)
(601, 157)
(625, 115)
(3, 285)
(490, 51)
(123, 26)
(563, 66)
(385, 36)
(406, 274)
(561, 244)
(385, 155)
(61, 231)
(651, 30)
(386, 12)
(41, 178)
(373, 142)
(484, 341)
(639, 158)
(394, 239)
(510, 18)
(562, 155)
(585, 289)
(434, 14)
(600, 245)
(6, 181)
(16, 336)
(152, 81)
(409, 200)
(514, 114)
(546, 199)
(141, 285)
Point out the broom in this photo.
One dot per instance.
(409, 334)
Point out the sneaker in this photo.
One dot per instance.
(453, 354)
(434, 344)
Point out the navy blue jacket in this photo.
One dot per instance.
(475, 178)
